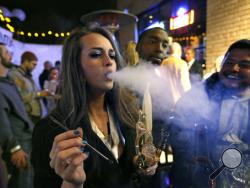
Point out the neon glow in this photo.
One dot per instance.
(181, 11)
(156, 24)
(182, 20)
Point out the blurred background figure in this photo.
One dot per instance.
(177, 72)
(58, 65)
(26, 85)
(15, 130)
(216, 67)
(194, 66)
(51, 85)
(202, 60)
(45, 74)
(131, 56)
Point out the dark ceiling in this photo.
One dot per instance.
(57, 16)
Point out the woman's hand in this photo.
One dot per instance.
(150, 170)
(67, 158)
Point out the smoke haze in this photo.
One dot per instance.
(164, 90)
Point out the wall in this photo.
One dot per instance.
(227, 21)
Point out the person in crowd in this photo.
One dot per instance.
(194, 66)
(52, 86)
(177, 71)
(152, 47)
(15, 128)
(26, 85)
(58, 65)
(214, 118)
(131, 55)
(202, 59)
(97, 113)
(45, 74)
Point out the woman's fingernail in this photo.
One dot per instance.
(84, 142)
(82, 148)
(86, 153)
(76, 132)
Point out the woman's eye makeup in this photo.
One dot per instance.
(111, 54)
(95, 53)
(99, 53)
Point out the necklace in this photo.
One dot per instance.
(109, 136)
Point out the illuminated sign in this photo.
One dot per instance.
(182, 20)
(156, 24)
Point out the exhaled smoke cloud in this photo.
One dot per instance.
(136, 79)
(165, 91)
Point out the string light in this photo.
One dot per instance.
(7, 19)
(2, 18)
(12, 29)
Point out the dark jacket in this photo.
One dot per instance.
(15, 129)
(100, 173)
(42, 77)
(196, 72)
(15, 126)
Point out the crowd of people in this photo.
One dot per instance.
(87, 138)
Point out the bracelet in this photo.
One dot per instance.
(16, 148)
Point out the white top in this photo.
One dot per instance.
(234, 115)
(113, 133)
(190, 63)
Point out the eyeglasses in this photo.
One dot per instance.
(242, 64)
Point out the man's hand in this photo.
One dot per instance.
(149, 170)
(19, 159)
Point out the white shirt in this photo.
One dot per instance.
(234, 115)
(190, 63)
(113, 133)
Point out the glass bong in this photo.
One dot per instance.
(147, 154)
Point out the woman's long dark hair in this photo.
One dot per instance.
(73, 103)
